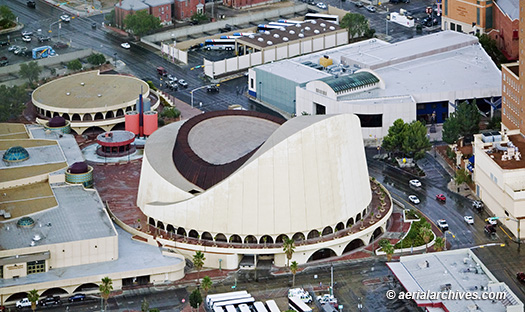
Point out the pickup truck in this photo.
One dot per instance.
(23, 303)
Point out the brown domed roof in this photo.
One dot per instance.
(57, 121)
(79, 167)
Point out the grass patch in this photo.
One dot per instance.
(413, 238)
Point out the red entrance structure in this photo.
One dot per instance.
(115, 143)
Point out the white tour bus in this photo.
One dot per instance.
(272, 306)
(329, 18)
(210, 299)
(298, 305)
(259, 307)
(237, 301)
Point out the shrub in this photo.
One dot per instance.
(413, 238)
(170, 112)
(74, 65)
(96, 59)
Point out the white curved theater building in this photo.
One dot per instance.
(235, 184)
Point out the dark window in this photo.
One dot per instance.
(444, 105)
(444, 116)
(1, 271)
(459, 28)
(251, 83)
(36, 266)
(446, 7)
(488, 16)
(452, 26)
(477, 16)
(420, 106)
(371, 121)
(320, 109)
(434, 106)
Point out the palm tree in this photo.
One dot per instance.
(33, 297)
(288, 248)
(439, 244)
(206, 284)
(294, 267)
(198, 262)
(387, 247)
(426, 234)
(105, 289)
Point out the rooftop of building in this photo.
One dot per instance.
(150, 259)
(455, 271)
(90, 90)
(509, 7)
(13, 131)
(290, 33)
(134, 5)
(343, 83)
(500, 152)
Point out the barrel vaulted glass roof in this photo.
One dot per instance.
(344, 83)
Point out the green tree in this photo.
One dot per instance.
(199, 18)
(154, 310)
(110, 18)
(96, 59)
(426, 234)
(74, 65)
(387, 247)
(289, 249)
(206, 284)
(495, 122)
(12, 102)
(30, 71)
(490, 46)
(198, 262)
(7, 17)
(105, 289)
(462, 176)
(393, 141)
(294, 267)
(170, 112)
(33, 296)
(463, 122)
(144, 307)
(195, 299)
(416, 141)
(356, 24)
(439, 244)
(141, 22)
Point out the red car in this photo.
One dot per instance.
(520, 276)
(441, 198)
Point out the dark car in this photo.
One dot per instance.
(162, 71)
(430, 21)
(212, 88)
(520, 276)
(50, 300)
(43, 38)
(77, 297)
(4, 63)
(4, 43)
(60, 45)
(94, 25)
(31, 4)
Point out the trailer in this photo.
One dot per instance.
(402, 18)
(43, 52)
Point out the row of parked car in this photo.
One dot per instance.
(49, 300)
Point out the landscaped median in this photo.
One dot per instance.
(419, 237)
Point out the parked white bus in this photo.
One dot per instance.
(230, 308)
(244, 308)
(236, 301)
(218, 309)
(329, 18)
(298, 305)
(259, 307)
(272, 306)
(210, 299)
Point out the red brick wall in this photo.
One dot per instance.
(503, 32)
(185, 9)
(163, 12)
(238, 4)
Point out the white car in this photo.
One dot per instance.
(321, 5)
(23, 303)
(65, 18)
(26, 39)
(469, 219)
(370, 8)
(492, 221)
(443, 225)
(414, 199)
(415, 183)
(125, 45)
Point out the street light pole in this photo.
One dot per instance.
(191, 92)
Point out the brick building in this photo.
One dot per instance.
(497, 19)
(163, 9)
(186, 8)
(239, 4)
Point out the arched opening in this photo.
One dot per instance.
(86, 287)
(76, 117)
(160, 225)
(220, 238)
(235, 239)
(356, 243)
(181, 231)
(87, 117)
(56, 114)
(340, 226)
(109, 114)
(16, 297)
(119, 126)
(322, 254)
(280, 238)
(250, 239)
(207, 236)
(120, 112)
(99, 116)
(327, 230)
(193, 234)
(297, 237)
(94, 131)
(66, 116)
(358, 217)
(54, 291)
(151, 221)
(376, 234)
(313, 234)
(364, 212)
(266, 239)
(170, 228)
(129, 108)
(350, 222)
(48, 114)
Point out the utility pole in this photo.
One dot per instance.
(331, 279)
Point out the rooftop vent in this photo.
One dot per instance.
(292, 32)
(251, 36)
(282, 29)
(285, 39)
(301, 35)
(36, 237)
(316, 31)
(260, 39)
(269, 42)
(99, 95)
(276, 35)
(332, 28)
(266, 32)
(82, 84)
(314, 22)
(307, 28)
(67, 93)
(322, 25)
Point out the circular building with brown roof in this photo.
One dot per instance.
(90, 99)
(243, 183)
